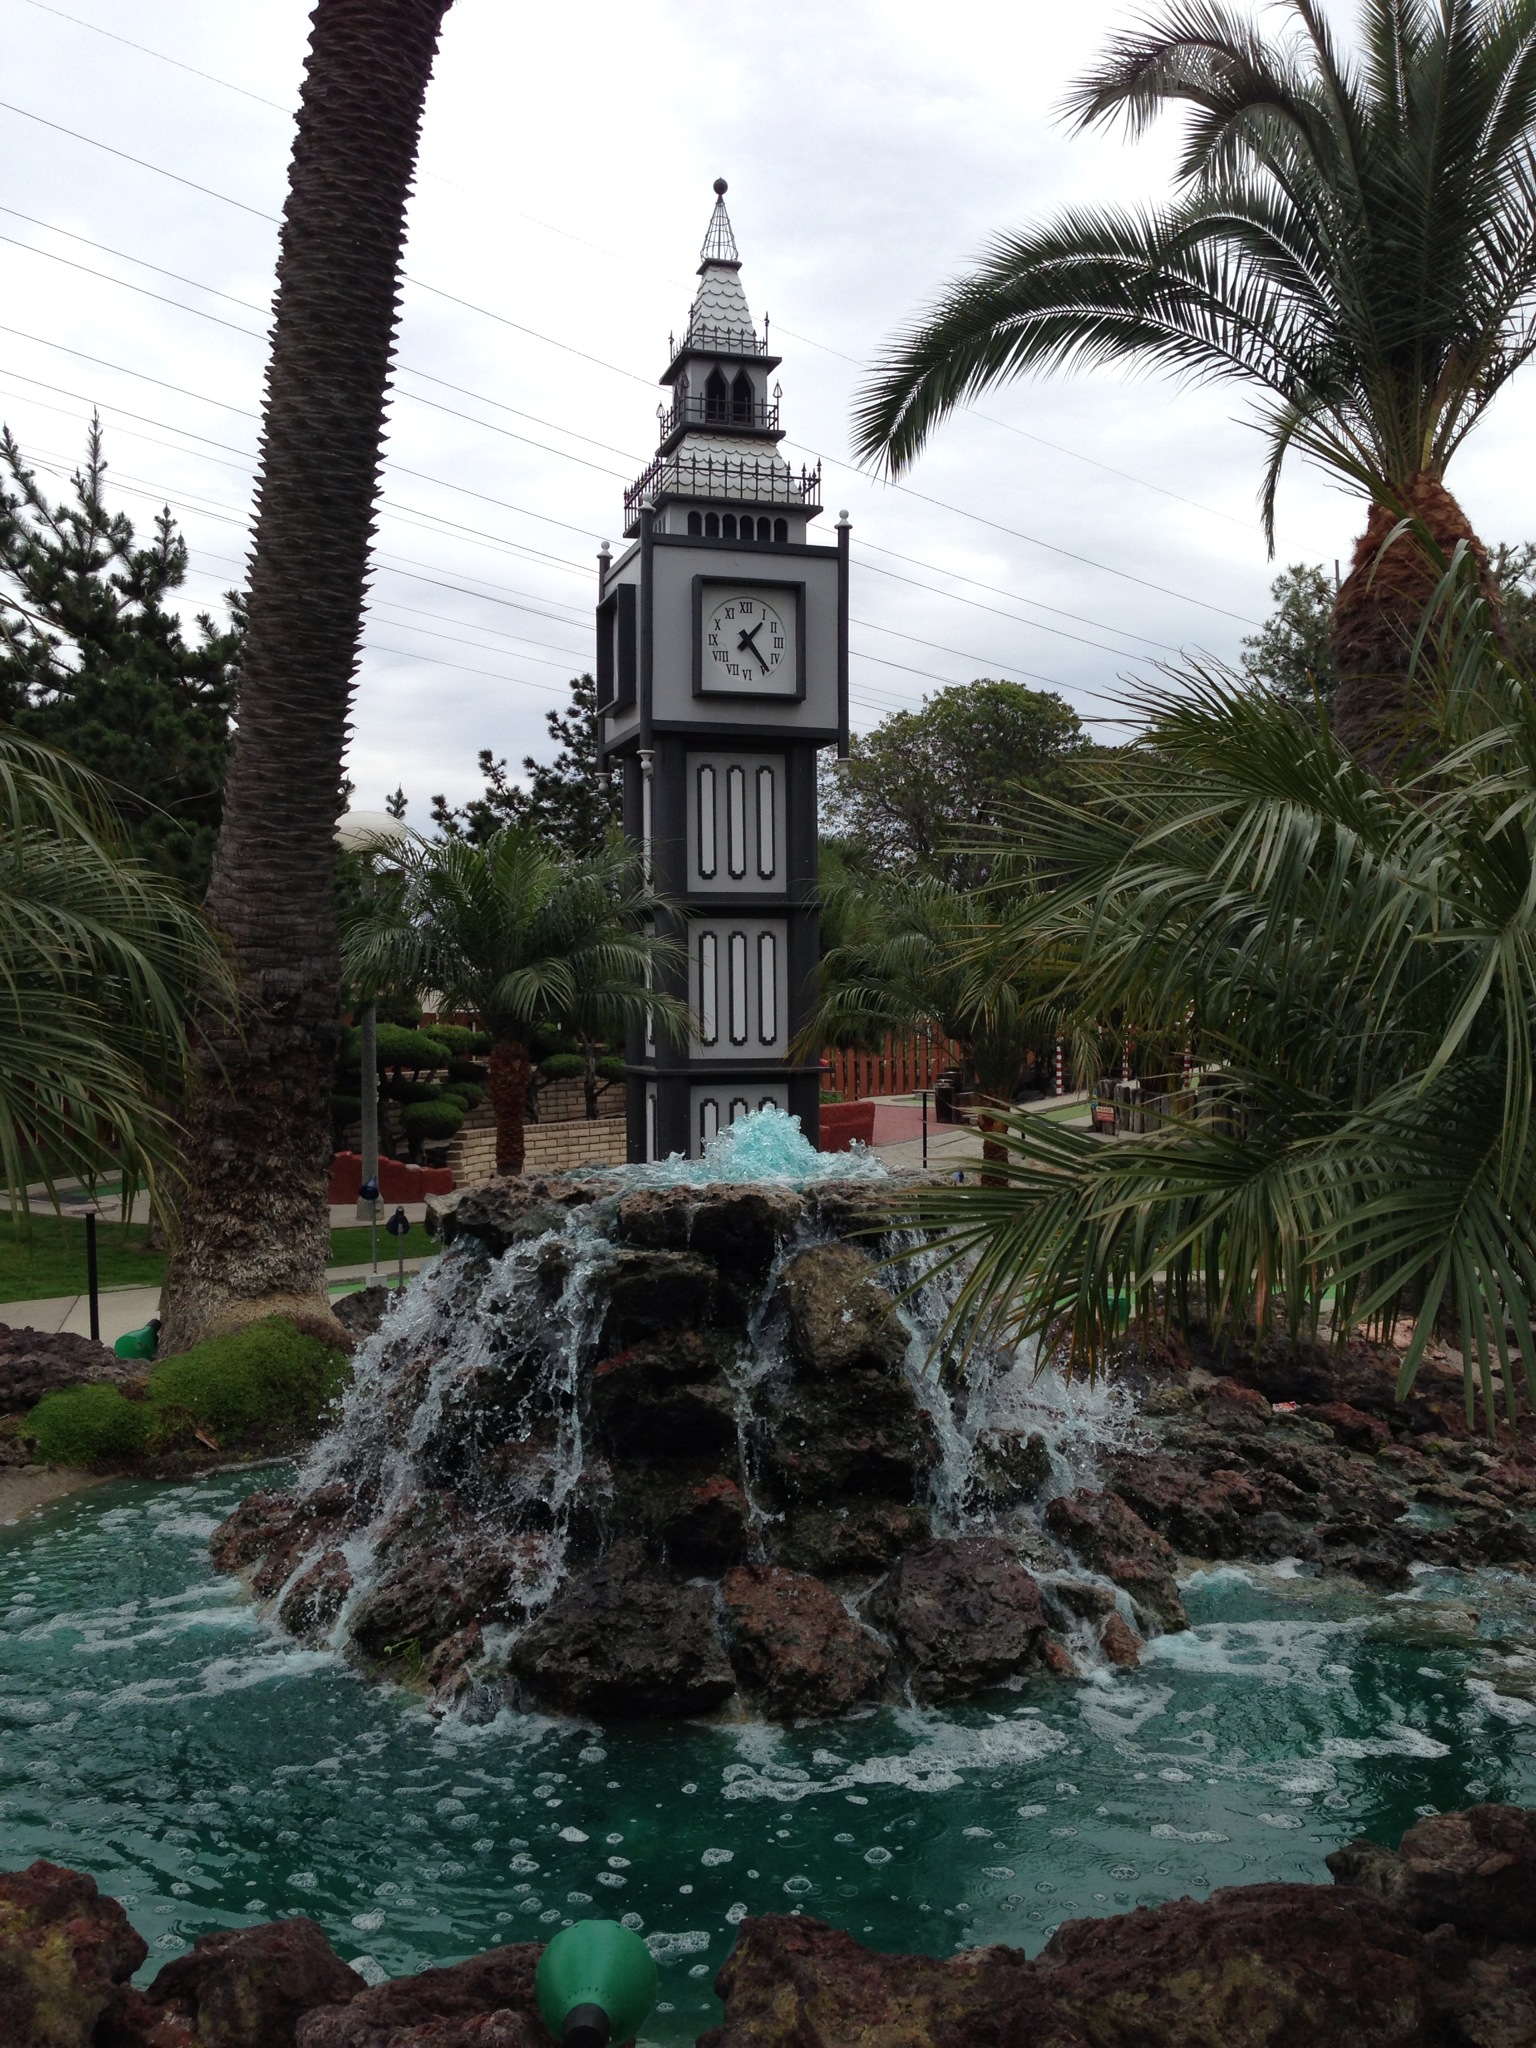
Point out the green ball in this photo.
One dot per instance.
(597, 1962)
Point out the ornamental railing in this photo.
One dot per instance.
(728, 411)
(757, 479)
(721, 340)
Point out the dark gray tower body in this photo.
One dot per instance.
(722, 670)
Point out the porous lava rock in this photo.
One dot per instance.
(486, 2002)
(657, 1293)
(1106, 1533)
(964, 1614)
(841, 1320)
(739, 1229)
(64, 1951)
(38, 1362)
(666, 1397)
(247, 1985)
(1474, 1870)
(794, 1644)
(624, 1640)
(1008, 1465)
(511, 1209)
(851, 1540)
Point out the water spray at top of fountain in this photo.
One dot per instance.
(766, 1146)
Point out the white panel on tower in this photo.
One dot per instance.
(707, 840)
(738, 980)
(739, 1106)
(709, 1120)
(709, 988)
(767, 987)
(766, 857)
(736, 814)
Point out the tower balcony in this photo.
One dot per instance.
(754, 416)
(739, 479)
(708, 337)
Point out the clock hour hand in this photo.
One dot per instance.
(747, 644)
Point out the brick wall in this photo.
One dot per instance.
(562, 1101)
(548, 1147)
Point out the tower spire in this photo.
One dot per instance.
(719, 241)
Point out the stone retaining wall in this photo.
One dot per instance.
(549, 1147)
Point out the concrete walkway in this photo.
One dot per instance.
(129, 1308)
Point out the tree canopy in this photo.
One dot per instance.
(93, 661)
(569, 800)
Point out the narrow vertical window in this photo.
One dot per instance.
(767, 988)
(766, 855)
(709, 1120)
(728, 525)
(767, 1103)
(711, 525)
(739, 1107)
(709, 989)
(707, 828)
(738, 981)
(696, 522)
(781, 529)
(736, 822)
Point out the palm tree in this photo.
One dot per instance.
(102, 962)
(1360, 958)
(1350, 235)
(253, 1217)
(524, 937)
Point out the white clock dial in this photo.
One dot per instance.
(747, 642)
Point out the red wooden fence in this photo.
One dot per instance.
(899, 1069)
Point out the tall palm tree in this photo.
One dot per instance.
(1352, 235)
(1360, 959)
(102, 963)
(253, 1217)
(525, 937)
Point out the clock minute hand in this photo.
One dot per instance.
(747, 644)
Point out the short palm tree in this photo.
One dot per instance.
(1351, 235)
(1360, 959)
(526, 938)
(101, 964)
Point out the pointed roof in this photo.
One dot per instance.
(719, 242)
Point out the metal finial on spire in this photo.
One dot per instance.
(719, 242)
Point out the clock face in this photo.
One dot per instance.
(749, 642)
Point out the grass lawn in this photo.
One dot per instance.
(49, 1259)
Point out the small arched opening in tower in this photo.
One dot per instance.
(717, 398)
(741, 399)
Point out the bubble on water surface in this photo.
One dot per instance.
(711, 1858)
(370, 1969)
(877, 1855)
(667, 1948)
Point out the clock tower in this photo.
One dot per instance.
(722, 670)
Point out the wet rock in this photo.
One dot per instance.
(361, 1312)
(1009, 1465)
(1475, 1869)
(64, 1950)
(738, 1228)
(260, 1523)
(310, 1606)
(626, 1640)
(448, 1668)
(433, 1581)
(1109, 1535)
(513, 1208)
(855, 1538)
(964, 1614)
(1206, 1516)
(1056, 1658)
(1352, 1426)
(248, 1987)
(38, 1362)
(841, 1320)
(1230, 1403)
(863, 1433)
(657, 1293)
(865, 1211)
(1119, 1641)
(706, 1527)
(667, 1397)
(486, 2002)
(794, 1643)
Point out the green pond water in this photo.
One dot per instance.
(155, 1732)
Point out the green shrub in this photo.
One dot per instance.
(440, 1119)
(468, 1070)
(469, 1093)
(456, 1037)
(562, 1066)
(399, 1048)
(88, 1424)
(346, 1109)
(397, 1089)
(262, 1384)
(611, 1067)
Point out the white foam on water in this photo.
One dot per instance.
(669, 1948)
(1285, 1652)
(1397, 1741)
(223, 1675)
(941, 1754)
(1502, 1705)
(1164, 1831)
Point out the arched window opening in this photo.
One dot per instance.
(741, 399)
(765, 529)
(712, 526)
(717, 402)
(781, 529)
(695, 522)
(728, 525)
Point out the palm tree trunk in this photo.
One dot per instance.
(253, 1222)
(510, 1067)
(1380, 709)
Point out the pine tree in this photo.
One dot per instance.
(93, 662)
(570, 801)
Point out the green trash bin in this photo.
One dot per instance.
(141, 1343)
(596, 1984)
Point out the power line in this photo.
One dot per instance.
(43, 8)
(486, 312)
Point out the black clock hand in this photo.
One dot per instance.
(747, 645)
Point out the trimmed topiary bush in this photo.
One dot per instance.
(440, 1119)
(468, 1070)
(611, 1067)
(562, 1066)
(467, 1094)
(260, 1387)
(404, 1091)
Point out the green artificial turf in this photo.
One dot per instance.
(354, 1245)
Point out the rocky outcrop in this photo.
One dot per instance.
(1474, 1871)
(794, 1645)
(626, 1639)
(38, 1362)
(964, 1614)
(64, 1952)
(249, 1984)
(1106, 1533)
(486, 2002)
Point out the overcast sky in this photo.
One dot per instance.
(1068, 527)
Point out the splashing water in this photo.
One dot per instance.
(766, 1146)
